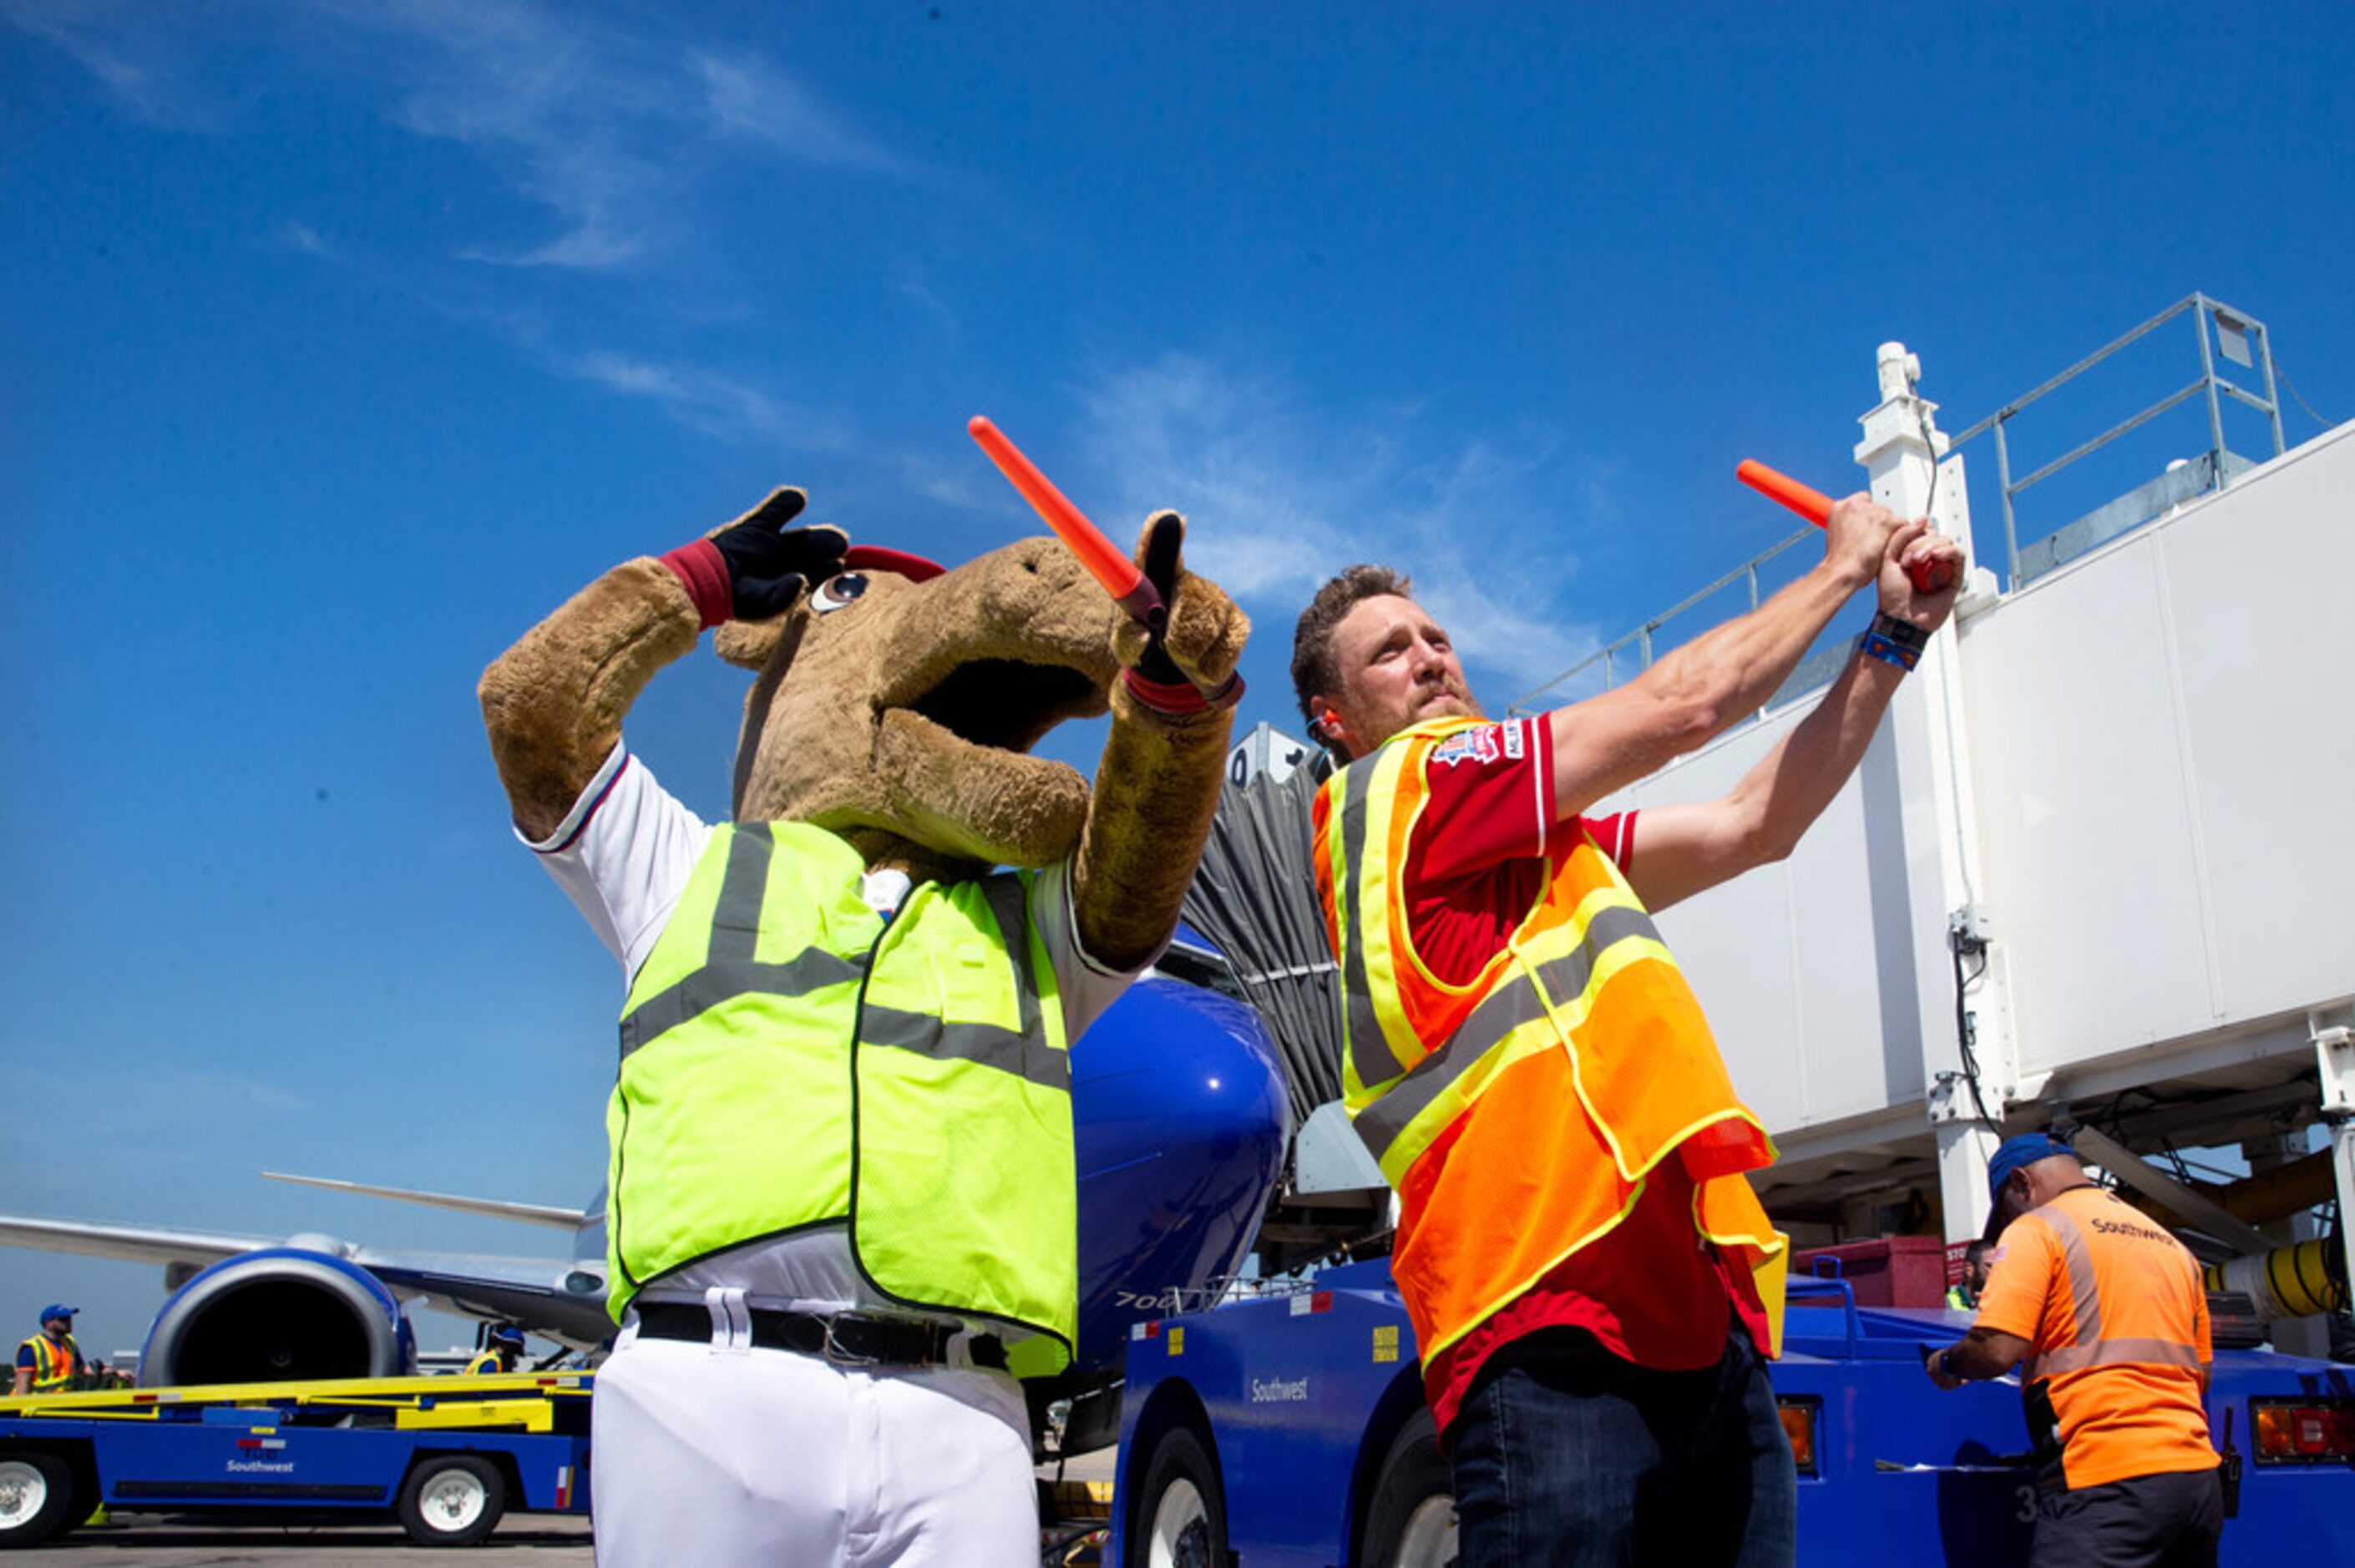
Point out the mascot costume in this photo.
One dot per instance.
(841, 1205)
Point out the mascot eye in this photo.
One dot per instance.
(837, 591)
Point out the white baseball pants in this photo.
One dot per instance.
(704, 1454)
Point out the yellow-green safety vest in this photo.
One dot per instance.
(791, 1059)
(55, 1366)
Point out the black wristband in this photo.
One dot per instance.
(1893, 641)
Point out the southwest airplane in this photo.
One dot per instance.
(1180, 1116)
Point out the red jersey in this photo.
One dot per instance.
(1649, 1291)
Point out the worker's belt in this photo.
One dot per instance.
(844, 1337)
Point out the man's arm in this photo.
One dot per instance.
(1979, 1355)
(1705, 686)
(2018, 1293)
(24, 1379)
(1683, 850)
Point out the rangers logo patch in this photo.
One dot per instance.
(1469, 745)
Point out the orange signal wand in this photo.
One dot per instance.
(1816, 507)
(1102, 557)
(1809, 503)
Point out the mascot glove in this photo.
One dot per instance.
(753, 568)
(1190, 666)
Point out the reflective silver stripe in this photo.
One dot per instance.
(1022, 1051)
(1026, 1056)
(2109, 1353)
(1380, 1123)
(2082, 1291)
(1508, 1006)
(1009, 900)
(2090, 1349)
(1369, 1051)
(736, 922)
(1566, 978)
(707, 988)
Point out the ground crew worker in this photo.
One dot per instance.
(1576, 1235)
(51, 1363)
(500, 1352)
(2108, 1311)
(1963, 1294)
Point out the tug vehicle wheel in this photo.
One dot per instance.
(35, 1498)
(1412, 1520)
(451, 1499)
(1181, 1513)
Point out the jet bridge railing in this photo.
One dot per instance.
(2220, 328)
(1635, 646)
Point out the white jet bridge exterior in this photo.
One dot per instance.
(2113, 800)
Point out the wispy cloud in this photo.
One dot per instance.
(726, 404)
(298, 235)
(710, 401)
(614, 129)
(608, 129)
(1283, 494)
(131, 49)
(568, 116)
(748, 99)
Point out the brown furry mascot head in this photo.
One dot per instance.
(896, 704)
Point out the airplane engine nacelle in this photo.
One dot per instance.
(1179, 1110)
(279, 1315)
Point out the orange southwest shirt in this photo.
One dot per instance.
(2129, 1413)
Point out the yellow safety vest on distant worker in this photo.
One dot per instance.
(1519, 1115)
(790, 1058)
(55, 1366)
(485, 1363)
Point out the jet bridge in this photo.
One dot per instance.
(2094, 870)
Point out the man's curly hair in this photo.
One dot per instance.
(1314, 671)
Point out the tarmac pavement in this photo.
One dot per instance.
(163, 1539)
(186, 1541)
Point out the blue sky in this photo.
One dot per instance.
(345, 339)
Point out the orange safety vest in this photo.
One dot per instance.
(1519, 1115)
(53, 1365)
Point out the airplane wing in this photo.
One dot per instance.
(495, 1208)
(562, 1301)
(135, 1243)
(562, 1298)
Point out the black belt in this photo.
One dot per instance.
(843, 1337)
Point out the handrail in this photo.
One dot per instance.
(1643, 634)
(2215, 387)
(1831, 1285)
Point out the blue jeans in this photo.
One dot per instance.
(1565, 1455)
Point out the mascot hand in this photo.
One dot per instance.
(769, 562)
(752, 569)
(1191, 664)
